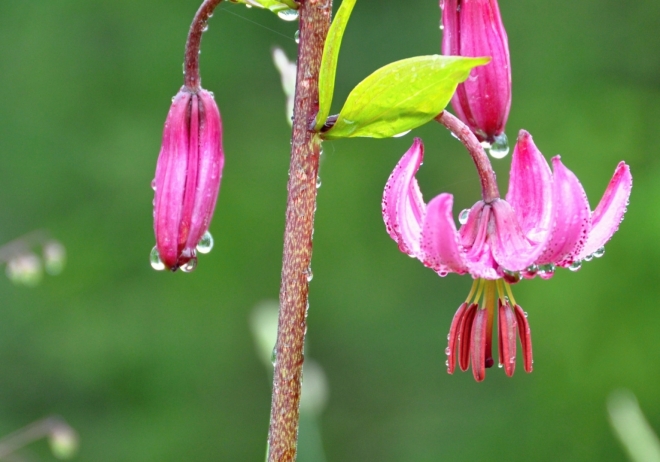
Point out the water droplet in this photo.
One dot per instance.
(288, 15)
(309, 274)
(296, 36)
(247, 5)
(500, 148)
(273, 356)
(318, 182)
(589, 257)
(447, 351)
(500, 365)
(599, 253)
(525, 313)
(511, 277)
(463, 216)
(575, 265)
(153, 184)
(399, 135)
(156, 262)
(448, 336)
(204, 29)
(546, 271)
(190, 266)
(447, 363)
(205, 244)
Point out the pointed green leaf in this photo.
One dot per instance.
(401, 96)
(329, 61)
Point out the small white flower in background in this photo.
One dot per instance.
(25, 269)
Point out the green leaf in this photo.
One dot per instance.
(276, 6)
(401, 96)
(329, 61)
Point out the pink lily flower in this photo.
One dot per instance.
(545, 222)
(474, 28)
(187, 180)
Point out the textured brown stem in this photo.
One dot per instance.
(301, 202)
(192, 79)
(489, 190)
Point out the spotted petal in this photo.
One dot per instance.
(511, 248)
(610, 210)
(571, 220)
(440, 240)
(403, 206)
(530, 189)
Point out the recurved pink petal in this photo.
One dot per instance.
(403, 205)
(440, 246)
(530, 189)
(610, 210)
(454, 333)
(511, 248)
(474, 238)
(571, 219)
(525, 338)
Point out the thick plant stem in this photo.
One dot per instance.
(301, 203)
(192, 79)
(489, 191)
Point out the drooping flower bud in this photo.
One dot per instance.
(187, 179)
(474, 28)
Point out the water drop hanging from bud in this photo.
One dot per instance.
(154, 259)
(500, 148)
(190, 266)
(463, 216)
(296, 36)
(205, 244)
(599, 253)
(288, 15)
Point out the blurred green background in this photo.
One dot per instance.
(152, 366)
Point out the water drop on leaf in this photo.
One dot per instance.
(288, 15)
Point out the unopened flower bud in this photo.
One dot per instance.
(474, 28)
(187, 179)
